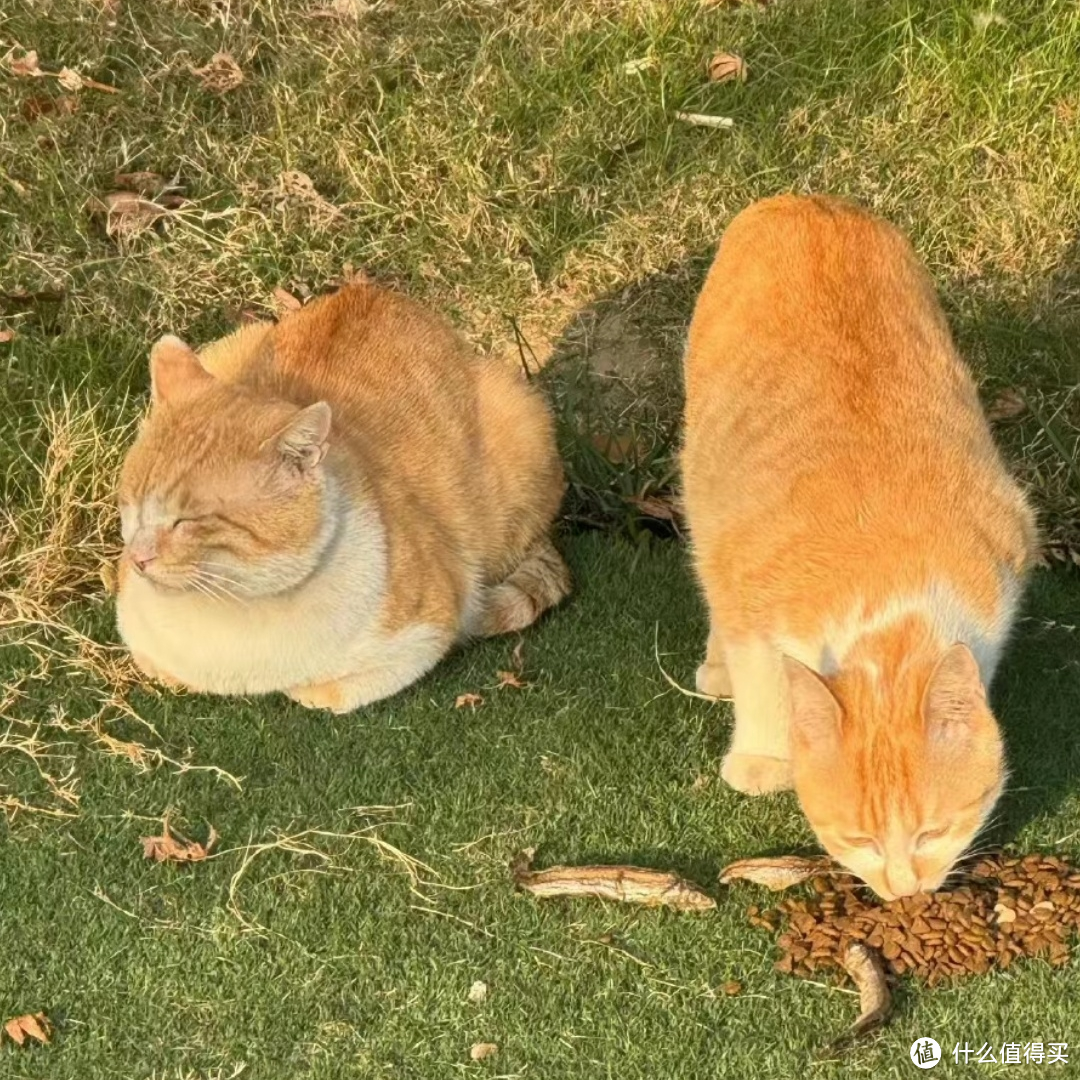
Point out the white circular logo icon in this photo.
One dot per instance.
(925, 1053)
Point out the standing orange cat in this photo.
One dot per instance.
(861, 546)
(325, 506)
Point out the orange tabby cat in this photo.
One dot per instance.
(860, 544)
(327, 505)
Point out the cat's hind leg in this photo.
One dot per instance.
(538, 582)
(758, 760)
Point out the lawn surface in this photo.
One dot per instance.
(340, 970)
(520, 166)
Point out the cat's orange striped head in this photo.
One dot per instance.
(898, 796)
(223, 493)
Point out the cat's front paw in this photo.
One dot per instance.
(331, 696)
(755, 774)
(714, 680)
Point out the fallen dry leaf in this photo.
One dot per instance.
(127, 213)
(1007, 405)
(727, 67)
(167, 848)
(344, 10)
(33, 108)
(618, 448)
(508, 678)
(478, 992)
(285, 300)
(733, 988)
(470, 700)
(628, 884)
(1058, 552)
(641, 63)
(7, 335)
(482, 1051)
(141, 181)
(220, 75)
(299, 187)
(70, 79)
(26, 66)
(864, 966)
(660, 507)
(34, 1026)
(775, 873)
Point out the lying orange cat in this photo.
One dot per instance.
(860, 544)
(327, 505)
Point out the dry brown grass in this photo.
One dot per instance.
(59, 549)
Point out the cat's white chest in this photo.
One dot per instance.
(311, 634)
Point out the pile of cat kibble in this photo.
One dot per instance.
(1009, 908)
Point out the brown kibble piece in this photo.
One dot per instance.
(1014, 908)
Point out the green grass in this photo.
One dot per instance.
(500, 162)
(597, 760)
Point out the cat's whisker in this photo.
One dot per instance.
(215, 589)
(219, 584)
(201, 587)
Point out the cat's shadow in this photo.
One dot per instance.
(1036, 697)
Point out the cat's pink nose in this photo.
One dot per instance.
(142, 561)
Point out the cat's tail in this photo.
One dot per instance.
(538, 582)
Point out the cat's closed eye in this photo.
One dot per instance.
(928, 836)
(862, 842)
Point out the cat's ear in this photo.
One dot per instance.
(815, 713)
(304, 441)
(954, 701)
(175, 370)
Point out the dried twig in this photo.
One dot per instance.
(702, 120)
(671, 682)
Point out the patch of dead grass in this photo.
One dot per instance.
(54, 548)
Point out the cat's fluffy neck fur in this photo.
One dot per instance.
(925, 622)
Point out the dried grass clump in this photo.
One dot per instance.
(57, 550)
